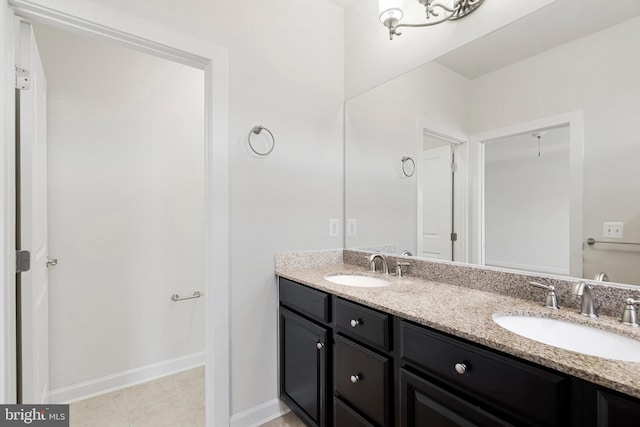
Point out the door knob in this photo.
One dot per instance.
(52, 262)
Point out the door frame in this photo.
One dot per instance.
(99, 21)
(460, 212)
(575, 121)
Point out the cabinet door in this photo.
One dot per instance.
(424, 404)
(303, 367)
(617, 411)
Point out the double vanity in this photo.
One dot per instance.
(446, 345)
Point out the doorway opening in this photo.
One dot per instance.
(142, 35)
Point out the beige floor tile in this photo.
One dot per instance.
(173, 401)
(287, 420)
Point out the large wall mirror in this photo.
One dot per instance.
(519, 150)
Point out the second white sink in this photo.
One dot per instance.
(357, 280)
(572, 336)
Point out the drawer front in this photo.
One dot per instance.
(308, 301)
(362, 379)
(426, 404)
(344, 416)
(534, 396)
(363, 324)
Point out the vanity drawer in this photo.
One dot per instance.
(533, 396)
(345, 416)
(310, 302)
(362, 378)
(363, 324)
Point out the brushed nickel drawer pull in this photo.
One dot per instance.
(461, 368)
(356, 378)
(355, 322)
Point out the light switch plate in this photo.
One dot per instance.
(352, 227)
(613, 230)
(334, 227)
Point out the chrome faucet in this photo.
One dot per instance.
(583, 291)
(372, 263)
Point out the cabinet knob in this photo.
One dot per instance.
(355, 322)
(355, 378)
(319, 345)
(461, 368)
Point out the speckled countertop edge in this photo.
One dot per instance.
(467, 313)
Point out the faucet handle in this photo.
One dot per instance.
(629, 316)
(401, 268)
(551, 300)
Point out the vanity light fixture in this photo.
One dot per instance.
(438, 11)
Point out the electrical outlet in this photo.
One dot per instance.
(352, 227)
(334, 227)
(613, 230)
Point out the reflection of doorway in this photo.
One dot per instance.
(437, 201)
(441, 192)
(526, 201)
(574, 122)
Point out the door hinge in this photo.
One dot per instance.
(454, 237)
(23, 261)
(454, 167)
(23, 79)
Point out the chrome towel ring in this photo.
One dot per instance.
(412, 167)
(257, 130)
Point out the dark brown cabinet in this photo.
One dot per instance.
(346, 365)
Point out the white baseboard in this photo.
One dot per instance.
(91, 388)
(260, 414)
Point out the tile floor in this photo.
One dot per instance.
(287, 420)
(173, 401)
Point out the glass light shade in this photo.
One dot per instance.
(390, 11)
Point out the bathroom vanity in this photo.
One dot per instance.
(421, 353)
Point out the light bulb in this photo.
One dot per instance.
(390, 12)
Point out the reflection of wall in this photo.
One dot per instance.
(527, 206)
(126, 213)
(381, 128)
(599, 75)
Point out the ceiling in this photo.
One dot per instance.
(558, 23)
(343, 3)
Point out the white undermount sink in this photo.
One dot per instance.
(357, 280)
(572, 336)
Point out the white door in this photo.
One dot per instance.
(32, 221)
(437, 197)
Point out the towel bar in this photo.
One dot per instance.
(176, 297)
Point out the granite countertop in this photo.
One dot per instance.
(467, 313)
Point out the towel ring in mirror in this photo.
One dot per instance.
(411, 167)
(257, 130)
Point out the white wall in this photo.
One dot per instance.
(381, 128)
(126, 209)
(372, 59)
(527, 203)
(286, 68)
(598, 75)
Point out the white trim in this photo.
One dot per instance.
(575, 120)
(87, 17)
(461, 184)
(260, 414)
(109, 383)
(7, 210)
